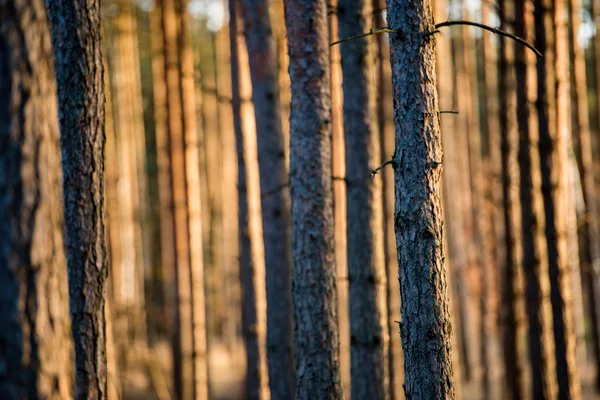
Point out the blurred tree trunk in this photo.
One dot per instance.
(588, 229)
(535, 257)
(37, 350)
(454, 238)
(313, 251)
(468, 279)
(580, 126)
(366, 271)
(76, 34)
(339, 198)
(252, 264)
(131, 162)
(274, 195)
(425, 327)
(181, 224)
(511, 311)
(385, 111)
(553, 123)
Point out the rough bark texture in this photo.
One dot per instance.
(252, 267)
(535, 261)
(385, 109)
(512, 301)
(36, 350)
(76, 38)
(274, 195)
(552, 112)
(425, 327)
(313, 253)
(366, 271)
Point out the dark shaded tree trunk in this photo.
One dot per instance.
(511, 290)
(385, 110)
(36, 349)
(274, 195)
(425, 327)
(77, 38)
(552, 117)
(252, 267)
(366, 271)
(313, 253)
(535, 261)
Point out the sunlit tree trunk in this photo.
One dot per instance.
(76, 35)
(36, 346)
(535, 257)
(425, 327)
(252, 267)
(588, 234)
(313, 252)
(338, 159)
(275, 200)
(511, 310)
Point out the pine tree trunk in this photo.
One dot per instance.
(274, 195)
(425, 327)
(252, 264)
(313, 253)
(79, 71)
(366, 273)
(386, 131)
(588, 229)
(512, 296)
(36, 351)
(535, 260)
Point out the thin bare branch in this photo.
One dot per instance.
(376, 170)
(377, 31)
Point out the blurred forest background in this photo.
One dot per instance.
(145, 43)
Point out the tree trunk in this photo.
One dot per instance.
(79, 71)
(511, 290)
(274, 194)
(313, 252)
(425, 327)
(252, 267)
(338, 161)
(552, 112)
(535, 261)
(37, 350)
(386, 131)
(366, 273)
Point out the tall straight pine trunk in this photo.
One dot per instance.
(275, 197)
(76, 36)
(535, 258)
(511, 308)
(252, 264)
(417, 161)
(366, 270)
(36, 350)
(313, 253)
(552, 117)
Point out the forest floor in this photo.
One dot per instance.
(227, 375)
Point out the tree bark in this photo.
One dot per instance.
(76, 38)
(252, 264)
(313, 252)
(512, 296)
(552, 112)
(36, 351)
(366, 273)
(274, 195)
(535, 261)
(386, 130)
(425, 327)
